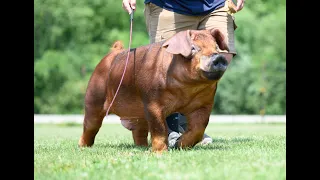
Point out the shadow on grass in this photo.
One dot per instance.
(123, 146)
(223, 144)
(233, 140)
(217, 144)
(211, 147)
(69, 124)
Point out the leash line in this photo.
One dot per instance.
(125, 66)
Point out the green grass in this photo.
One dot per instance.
(239, 152)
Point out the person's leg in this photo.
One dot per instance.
(223, 21)
(173, 129)
(162, 24)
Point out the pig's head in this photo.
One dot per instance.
(202, 48)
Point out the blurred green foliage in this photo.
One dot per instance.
(71, 37)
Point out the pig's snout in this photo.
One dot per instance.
(218, 63)
(213, 67)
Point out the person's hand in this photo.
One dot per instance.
(240, 4)
(129, 5)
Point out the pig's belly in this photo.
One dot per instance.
(128, 109)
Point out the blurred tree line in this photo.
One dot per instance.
(71, 37)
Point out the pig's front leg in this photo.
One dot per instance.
(197, 123)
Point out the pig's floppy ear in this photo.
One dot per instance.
(180, 43)
(219, 37)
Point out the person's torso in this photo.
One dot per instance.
(189, 7)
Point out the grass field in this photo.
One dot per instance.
(239, 152)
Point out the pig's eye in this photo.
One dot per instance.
(195, 49)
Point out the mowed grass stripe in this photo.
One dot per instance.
(239, 151)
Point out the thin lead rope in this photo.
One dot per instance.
(125, 67)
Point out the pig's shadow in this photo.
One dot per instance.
(217, 144)
(223, 143)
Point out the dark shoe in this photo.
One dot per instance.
(178, 123)
(173, 129)
(173, 122)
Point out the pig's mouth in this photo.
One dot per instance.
(213, 75)
(213, 67)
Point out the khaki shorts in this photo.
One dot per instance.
(162, 24)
